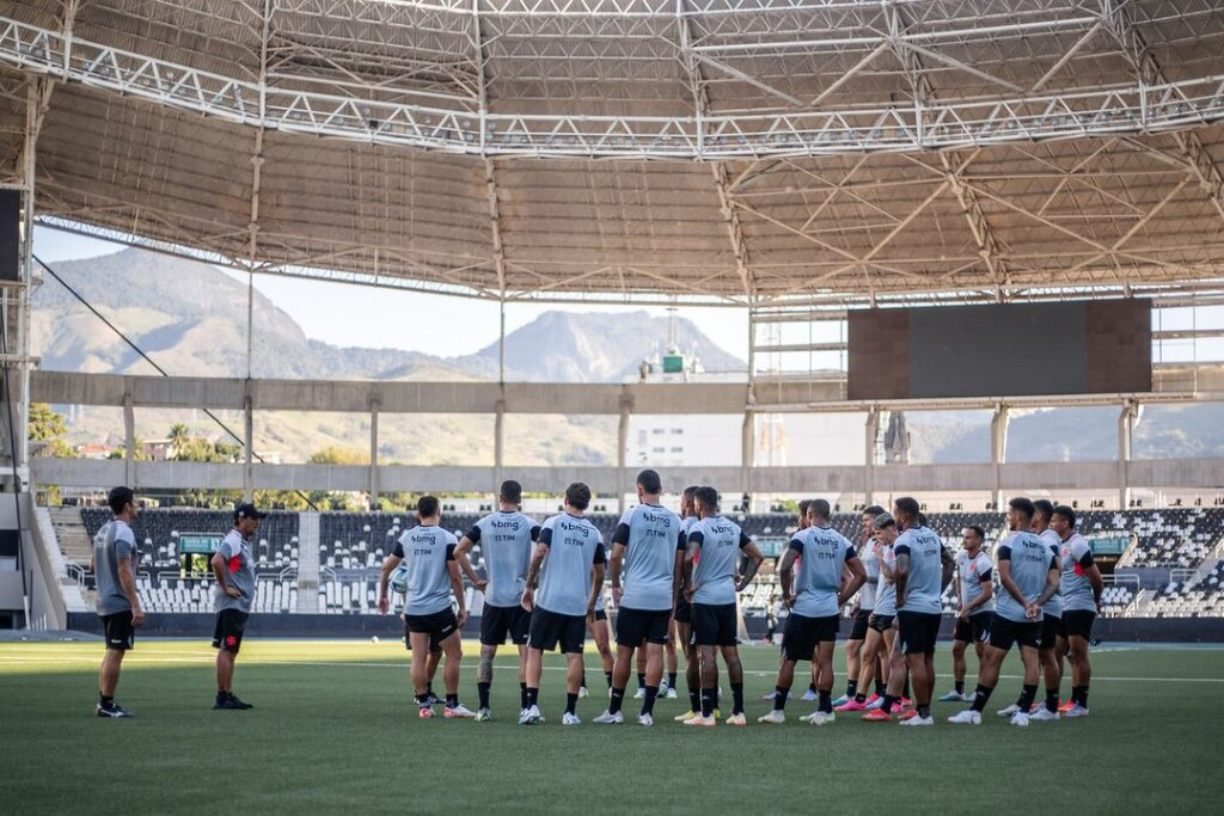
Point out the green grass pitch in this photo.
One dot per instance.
(335, 731)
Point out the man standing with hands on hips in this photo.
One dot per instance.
(232, 567)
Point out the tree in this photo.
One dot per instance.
(337, 455)
(179, 434)
(46, 425)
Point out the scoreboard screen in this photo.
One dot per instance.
(1000, 350)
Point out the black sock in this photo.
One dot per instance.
(222, 696)
(1075, 694)
(641, 680)
(826, 701)
(421, 699)
(482, 691)
(737, 698)
(429, 689)
(608, 677)
(533, 695)
(889, 702)
(652, 693)
(694, 700)
(707, 702)
(1026, 698)
(104, 701)
(671, 679)
(905, 692)
(924, 711)
(960, 686)
(618, 697)
(1052, 700)
(452, 700)
(880, 688)
(860, 697)
(571, 700)
(780, 695)
(980, 697)
(582, 683)
(812, 687)
(851, 688)
(1083, 701)
(523, 695)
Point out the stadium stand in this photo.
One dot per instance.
(1203, 597)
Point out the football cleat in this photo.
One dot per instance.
(953, 697)
(919, 721)
(670, 695)
(686, 716)
(842, 700)
(530, 716)
(458, 712)
(737, 719)
(1044, 714)
(116, 711)
(583, 693)
(774, 717)
(639, 694)
(701, 722)
(821, 718)
(484, 715)
(908, 715)
(853, 705)
(810, 696)
(966, 717)
(425, 712)
(874, 703)
(1009, 711)
(607, 718)
(877, 715)
(1067, 706)
(1020, 718)
(1076, 712)
(646, 720)
(570, 719)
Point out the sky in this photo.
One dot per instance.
(352, 315)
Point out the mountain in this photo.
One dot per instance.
(191, 319)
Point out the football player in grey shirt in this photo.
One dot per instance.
(115, 557)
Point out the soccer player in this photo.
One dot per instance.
(684, 612)
(918, 579)
(820, 590)
(1081, 587)
(1051, 620)
(568, 568)
(433, 576)
(713, 547)
(801, 524)
(508, 536)
(866, 602)
(233, 567)
(646, 544)
(881, 628)
(1029, 575)
(598, 628)
(975, 590)
(115, 556)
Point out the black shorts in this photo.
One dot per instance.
(498, 621)
(434, 648)
(858, 630)
(227, 635)
(550, 629)
(974, 629)
(601, 614)
(438, 625)
(1076, 623)
(918, 631)
(637, 626)
(1004, 632)
(880, 623)
(684, 611)
(1049, 631)
(714, 625)
(802, 635)
(118, 630)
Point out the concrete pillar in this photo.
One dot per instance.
(622, 443)
(248, 443)
(374, 467)
(1126, 430)
(499, 445)
(747, 451)
(871, 436)
(129, 441)
(998, 449)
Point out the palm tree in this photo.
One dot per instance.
(179, 434)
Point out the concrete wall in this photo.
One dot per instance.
(47, 609)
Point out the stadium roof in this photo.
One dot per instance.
(765, 151)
